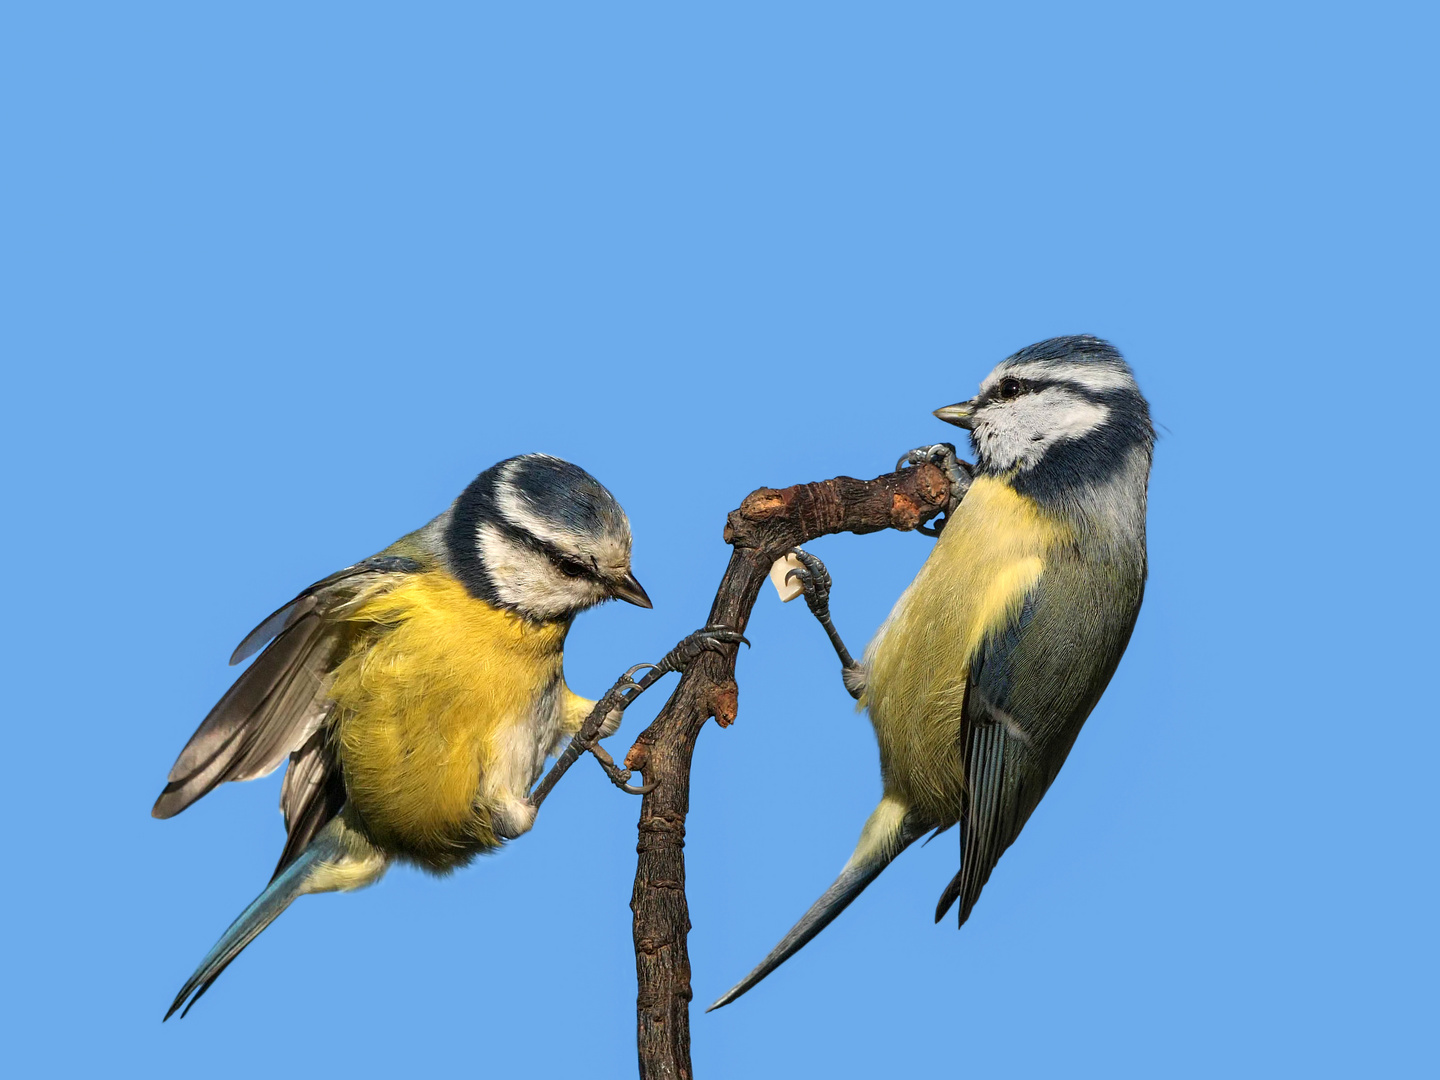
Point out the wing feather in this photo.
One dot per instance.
(278, 702)
(998, 762)
(313, 793)
(1029, 691)
(288, 614)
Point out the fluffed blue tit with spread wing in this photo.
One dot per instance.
(979, 681)
(418, 693)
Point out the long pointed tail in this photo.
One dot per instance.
(890, 830)
(336, 859)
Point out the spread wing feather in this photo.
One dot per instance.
(288, 614)
(278, 702)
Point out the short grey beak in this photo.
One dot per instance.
(631, 592)
(960, 414)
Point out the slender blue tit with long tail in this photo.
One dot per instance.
(418, 693)
(979, 681)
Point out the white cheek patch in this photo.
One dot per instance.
(528, 581)
(1017, 433)
(1070, 417)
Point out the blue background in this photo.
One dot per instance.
(279, 281)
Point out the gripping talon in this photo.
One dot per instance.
(620, 697)
(618, 776)
(724, 634)
(959, 473)
(814, 581)
(708, 639)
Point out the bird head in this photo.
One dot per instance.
(543, 537)
(1070, 398)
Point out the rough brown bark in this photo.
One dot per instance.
(768, 523)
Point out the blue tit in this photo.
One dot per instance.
(979, 681)
(417, 693)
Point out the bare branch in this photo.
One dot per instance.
(768, 523)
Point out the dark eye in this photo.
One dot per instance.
(571, 568)
(1009, 388)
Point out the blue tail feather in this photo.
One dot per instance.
(263, 910)
(884, 837)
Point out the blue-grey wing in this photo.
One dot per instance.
(1030, 689)
(277, 704)
(320, 594)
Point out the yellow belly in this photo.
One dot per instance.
(428, 699)
(985, 563)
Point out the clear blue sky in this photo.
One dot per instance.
(278, 282)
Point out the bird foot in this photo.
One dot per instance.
(815, 584)
(620, 777)
(706, 639)
(958, 473)
(613, 703)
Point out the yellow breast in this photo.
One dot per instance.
(434, 683)
(987, 560)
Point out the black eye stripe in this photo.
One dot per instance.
(569, 565)
(1035, 386)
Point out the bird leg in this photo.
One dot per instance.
(959, 473)
(619, 698)
(815, 584)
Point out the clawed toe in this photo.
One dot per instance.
(959, 473)
(814, 581)
(708, 639)
(940, 454)
(618, 776)
(622, 695)
(720, 635)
